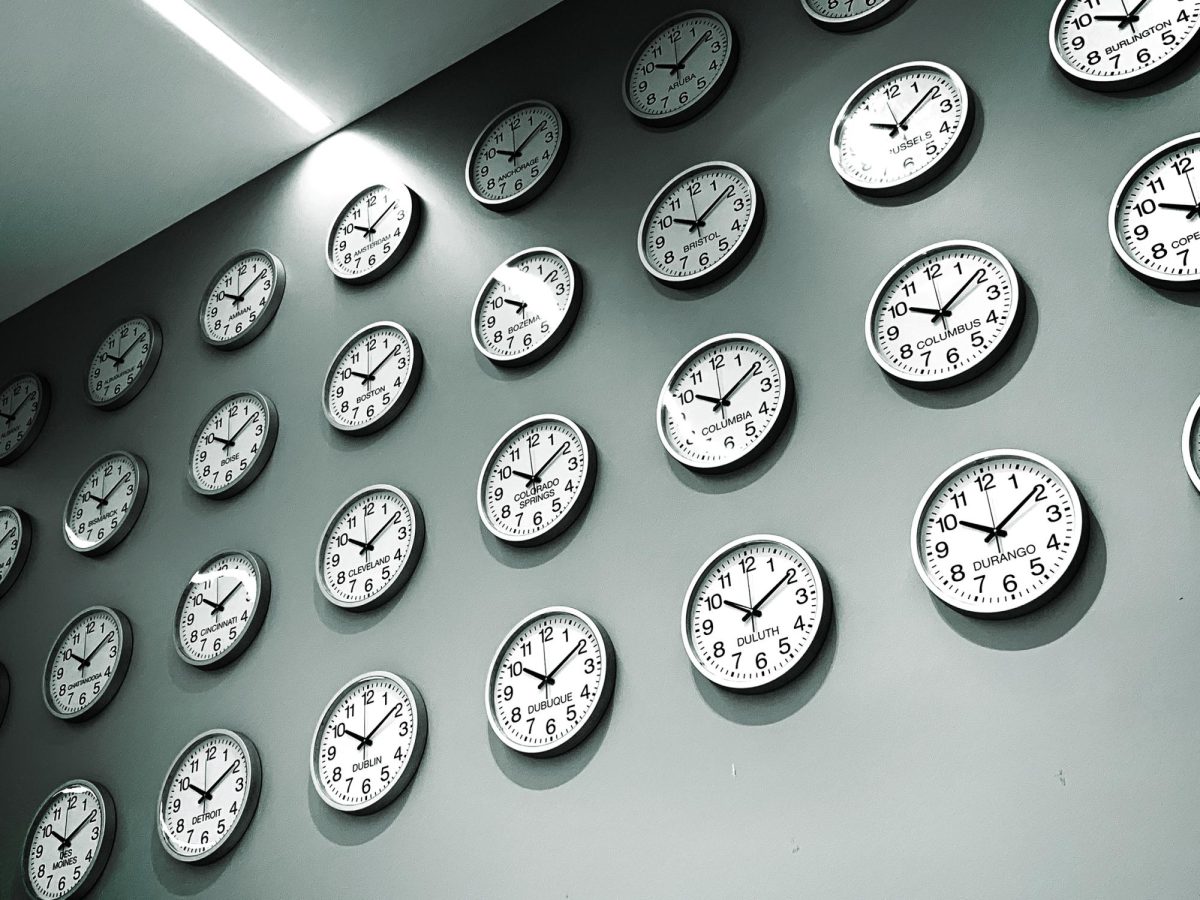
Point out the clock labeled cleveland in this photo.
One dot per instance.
(87, 663)
(124, 362)
(242, 299)
(69, 841)
(517, 155)
(24, 405)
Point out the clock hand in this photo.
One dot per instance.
(62, 841)
(549, 679)
(553, 456)
(203, 794)
(361, 228)
(889, 127)
(520, 306)
(936, 313)
(356, 543)
(1189, 208)
(221, 441)
(117, 359)
(82, 662)
(114, 487)
(683, 61)
(212, 787)
(529, 137)
(228, 296)
(87, 659)
(745, 609)
(216, 606)
(371, 229)
(527, 477)
(670, 66)
(766, 597)
(1008, 518)
(509, 153)
(991, 532)
(677, 220)
(11, 531)
(717, 400)
(12, 415)
(704, 216)
(724, 401)
(362, 741)
(242, 295)
(221, 605)
(78, 827)
(243, 428)
(386, 525)
(370, 734)
(903, 123)
(962, 290)
(371, 374)
(542, 679)
(137, 340)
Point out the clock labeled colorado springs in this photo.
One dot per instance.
(517, 155)
(124, 362)
(526, 307)
(372, 378)
(242, 299)
(69, 841)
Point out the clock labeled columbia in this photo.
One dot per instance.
(680, 68)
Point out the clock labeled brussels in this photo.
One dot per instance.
(232, 445)
(24, 405)
(1113, 45)
(242, 299)
(944, 314)
(550, 681)
(370, 547)
(700, 224)
(536, 480)
(69, 841)
(999, 533)
(1191, 444)
(849, 15)
(368, 743)
(1154, 220)
(222, 609)
(902, 128)
(16, 534)
(526, 307)
(124, 362)
(680, 68)
(209, 796)
(87, 663)
(372, 378)
(105, 503)
(724, 403)
(371, 233)
(517, 155)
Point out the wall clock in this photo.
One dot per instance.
(999, 533)
(368, 743)
(902, 128)
(69, 841)
(242, 299)
(232, 445)
(372, 232)
(1154, 220)
(536, 480)
(16, 534)
(209, 796)
(124, 362)
(24, 405)
(681, 67)
(850, 15)
(370, 547)
(724, 403)
(700, 224)
(1113, 45)
(756, 614)
(372, 378)
(945, 314)
(87, 663)
(517, 155)
(526, 307)
(1191, 444)
(222, 609)
(550, 681)
(105, 503)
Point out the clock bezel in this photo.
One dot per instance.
(258, 615)
(124, 631)
(24, 542)
(248, 477)
(856, 22)
(144, 374)
(118, 534)
(1189, 438)
(535, 188)
(403, 245)
(255, 328)
(108, 833)
(402, 399)
(39, 418)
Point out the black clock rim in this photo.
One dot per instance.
(534, 190)
(278, 284)
(124, 655)
(402, 246)
(555, 338)
(103, 849)
(859, 22)
(402, 399)
(257, 616)
(39, 419)
(248, 477)
(24, 542)
(118, 534)
(144, 374)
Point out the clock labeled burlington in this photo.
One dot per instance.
(517, 155)
(69, 841)
(87, 663)
(124, 362)
(680, 68)
(242, 299)
(24, 405)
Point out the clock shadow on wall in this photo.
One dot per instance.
(540, 774)
(179, 879)
(348, 830)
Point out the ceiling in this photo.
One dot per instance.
(115, 125)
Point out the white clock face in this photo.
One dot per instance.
(526, 307)
(517, 155)
(69, 842)
(87, 664)
(724, 403)
(209, 796)
(372, 378)
(124, 362)
(232, 445)
(536, 480)
(222, 609)
(944, 314)
(15, 536)
(700, 225)
(999, 533)
(370, 547)
(550, 682)
(901, 128)
(371, 233)
(680, 68)
(1191, 444)
(24, 404)
(1118, 44)
(241, 299)
(850, 15)
(368, 743)
(1154, 221)
(105, 503)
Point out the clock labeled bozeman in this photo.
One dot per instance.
(16, 534)
(242, 299)
(105, 503)
(849, 15)
(372, 378)
(24, 405)
(233, 444)
(69, 841)
(124, 362)
(526, 307)
(87, 663)
(222, 609)
(517, 155)
(371, 233)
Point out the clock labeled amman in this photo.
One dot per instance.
(105, 503)
(526, 307)
(87, 663)
(24, 405)
(999, 533)
(233, 444)
(69, 841)
(902, 128)
(944, 314)
(517, 155)
(16, 534)
(849, 15)
(222, 609)
(124, 362)
(371, 233)
(242, 299)
(372, 378)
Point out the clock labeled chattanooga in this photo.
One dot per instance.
(87, 663)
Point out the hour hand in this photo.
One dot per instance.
(745, 609)
(928, 311)
(524, 475)
(681, 221)
(538, 675)
(717, 400)
(984, 528)
(205, 794)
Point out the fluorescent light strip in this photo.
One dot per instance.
(242, 63)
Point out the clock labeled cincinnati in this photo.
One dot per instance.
(849, 15)
(69, 841)
(87, 663)
(517, 155)
(222, 609)
(372, 378)
(242, 299)
(24, 405)
(16, 534)
(680, 68)
(105, 503)
(124, 362)
(371, 233)
(233, 444)
(526, 307)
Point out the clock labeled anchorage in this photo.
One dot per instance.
(517, 155)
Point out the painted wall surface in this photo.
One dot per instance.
(924, 754)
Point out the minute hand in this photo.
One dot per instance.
(529, 137)
(766, 597)
(1000, 525)
(729, 393)
(962, 290)
(553, 456)
(701, 219)
(550, 677)
(918, 105)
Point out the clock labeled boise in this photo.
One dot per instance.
(233, 444)
(372, 378)
(681, 68)
(70, 841)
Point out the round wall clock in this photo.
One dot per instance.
(550, 681)
(1113, 45)
(16, 534)
(105, 503)
(902, 128)
(87, 663)
(370, 547)
(232, 444)
(681, 67)
(371, 233)
(849, 15)
(1191, 444)
(124, 362)
(368, 743)
(775, 626)
(724, 403)
(999, 533)
(222, 609)
(944, 314)
(526, 307)
(536, 480)
(24, 405)
(209, 796)
(700, 224)
(517, 155)
(372, 378)
(1154, 220)
(69, 841)
(242, 299)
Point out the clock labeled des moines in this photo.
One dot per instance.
(222, 609)
(124, 362)
(517, 155)
(372, 378)
(105, 503)
(69, 841)
(526, 307)
(87, 663)
(24, 405)
(371, 233)
(242, 299)
(232, 444)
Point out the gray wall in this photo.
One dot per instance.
(924, 754)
